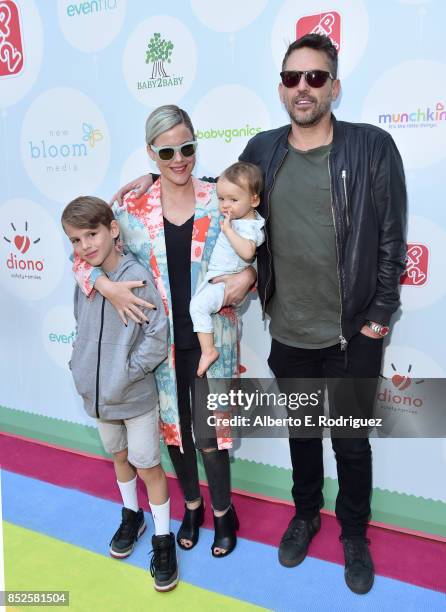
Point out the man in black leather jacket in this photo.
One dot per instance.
(334, 201)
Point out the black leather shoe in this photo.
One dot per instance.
(225, 532)
(131, 528)
(163, 564)
(190, 527)
(295, 541)
(359, 571)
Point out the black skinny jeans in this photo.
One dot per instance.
(353, 455)
(216, 462)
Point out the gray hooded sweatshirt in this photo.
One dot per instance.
(112, 364)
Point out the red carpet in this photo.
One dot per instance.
(401, 556)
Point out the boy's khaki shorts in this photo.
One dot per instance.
(140, 435)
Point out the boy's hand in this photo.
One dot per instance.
(226, 223)
(121, 297)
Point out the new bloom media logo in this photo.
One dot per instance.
(20, 242)
(417, 263)
(63, 150)
(325, 24)
(422, 117)
(11, 42)
(159, 54)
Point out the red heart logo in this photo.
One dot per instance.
(22, 243)
(401, 382)
(241, 369)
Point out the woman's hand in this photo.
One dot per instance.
(139, 185)
(237, 285)
(120, 295)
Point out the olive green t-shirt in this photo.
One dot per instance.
(305, 308)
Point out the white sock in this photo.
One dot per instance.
(161, 517)
(129, 495)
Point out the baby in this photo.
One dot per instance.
(238, 191)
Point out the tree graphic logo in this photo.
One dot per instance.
(158, 52)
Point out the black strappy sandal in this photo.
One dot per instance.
(190, 526)
(225, 532)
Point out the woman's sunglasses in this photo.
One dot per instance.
(187, 149)
(314, 78)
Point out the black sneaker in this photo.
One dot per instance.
(359, 571)
(296, 540)
(131, 527)
(163, 564)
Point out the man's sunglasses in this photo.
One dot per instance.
(314, 78)
(187, 149)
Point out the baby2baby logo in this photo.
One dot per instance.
(11, 45)
(159, 55)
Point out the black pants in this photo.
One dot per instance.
(353, 455)
(216, 462)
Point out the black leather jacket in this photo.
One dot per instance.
(368, 196)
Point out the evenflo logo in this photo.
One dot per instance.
(20, 243)
(417, 261)
(11, 45)
(90, 8)
(58, 334)
(326, 24)
(65, 153)
(32, 255)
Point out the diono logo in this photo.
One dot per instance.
(417, 260)
(400, 382)
(326, 24)
(22, 243)
(11, 46)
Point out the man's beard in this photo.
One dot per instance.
(309, 118)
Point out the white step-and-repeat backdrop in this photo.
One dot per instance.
(77, 81)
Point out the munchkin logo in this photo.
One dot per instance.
(11, 44)
(21, 267)
(400, 390)
(417, 260)
(421, 117)
(326, 24)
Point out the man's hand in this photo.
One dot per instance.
(139, 185)
(121, 297)
(365, 329)
(237, 285)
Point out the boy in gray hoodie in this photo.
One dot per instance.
(112, 366)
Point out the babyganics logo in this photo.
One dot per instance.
(400, 392)
(326, 24)
(417, 259)
(228, 134)
(63, 151)
(23, 267)
(426, 117)
(158, 53)
(11, 45)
